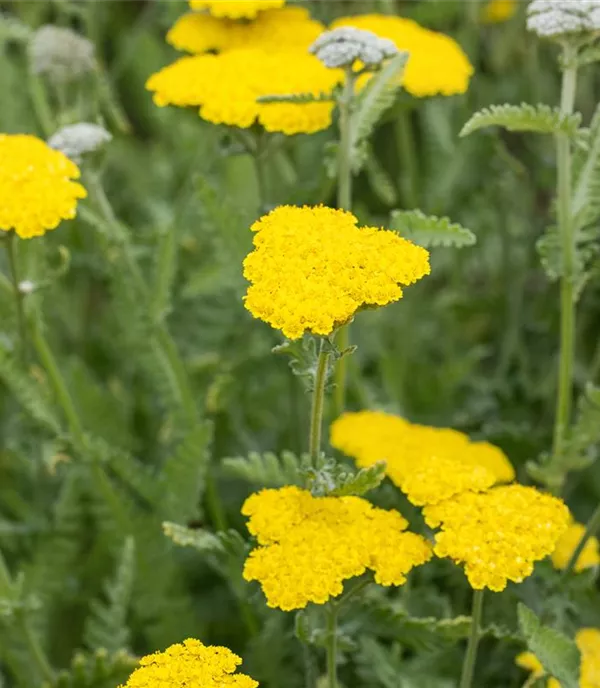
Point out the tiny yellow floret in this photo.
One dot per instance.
(36, 187)
(312, 269)
(272, 30)
(235, 9)
(499, 534)
(308, 546)
(588, 642)
(437, 65)
(226, 87)
(565, 548)
(190, 664)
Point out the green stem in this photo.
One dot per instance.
(18, 294)
(344, 201)
(567, 295)
(41, 108)
(318, 400)
(590, 530)
(471, 655)
(405, 142)
(331, 647)
(57, 382)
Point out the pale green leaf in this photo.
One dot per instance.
(430, 231)
(541, 119)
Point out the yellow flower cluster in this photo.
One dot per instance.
(436, 65)
(497, 11)
(280, 29)
(190, 664)
(226, 88)
(428, 464)
(36, 187)
(590, 555)
(308, 546)
(498, 534)
(312, 269)
(235, 9)
(588, 642)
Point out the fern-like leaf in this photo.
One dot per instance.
(586, 169)
(183, 476)
(297, 98)
(95, 670)
(541, 119)
(361, 482)
(29, 393)
(268, 469)
(428, 230)
(374, 99)
(106, 626)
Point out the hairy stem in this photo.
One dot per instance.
(318, 400)
(18, 294)
(469, 663)
(567, 239)
(344, 201)
(331, 647)
(590, 530)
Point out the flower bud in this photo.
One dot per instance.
(76, 140)
(343, 46)
(60, 53)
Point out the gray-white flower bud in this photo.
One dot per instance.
(341, 47)
(552, 18)
(60, 53)
(76, 140)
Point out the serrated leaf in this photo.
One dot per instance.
(558, 654)
(363, 481)
(379, 180)
(540, 119)
(430, 231)
(374, 99)
(268, 469)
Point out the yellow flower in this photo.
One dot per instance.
(235, 9)
(428, 464)
(280, 29)
(226, 88)
(588, 642)
(308, 546)
(36, 191)
(498, 534)
(190, 664)
(590, 555)
(497, 11)
(312, 269)
(436, 65)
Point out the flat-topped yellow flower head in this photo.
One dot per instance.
(190, 664)
(308, 546)
(498, 535)
(37, 190)
(437, 65)
(565, 548)
(226, 88)
(588, 642)
(312, 269)
(428, 464)
(280, 29)
(235, 9)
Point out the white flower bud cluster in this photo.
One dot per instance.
(551, 18)
(60, 53)
(76, 140)
(343, 46)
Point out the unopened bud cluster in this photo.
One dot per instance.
(60, 53)
(345, 45)
(76, 140)
(555, 18)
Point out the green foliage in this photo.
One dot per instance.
(429, 231)
(100, 669)
(268, 469)
(373, 100)
(558, 654)
(336, 479)
(106, 627)
(540, 119)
